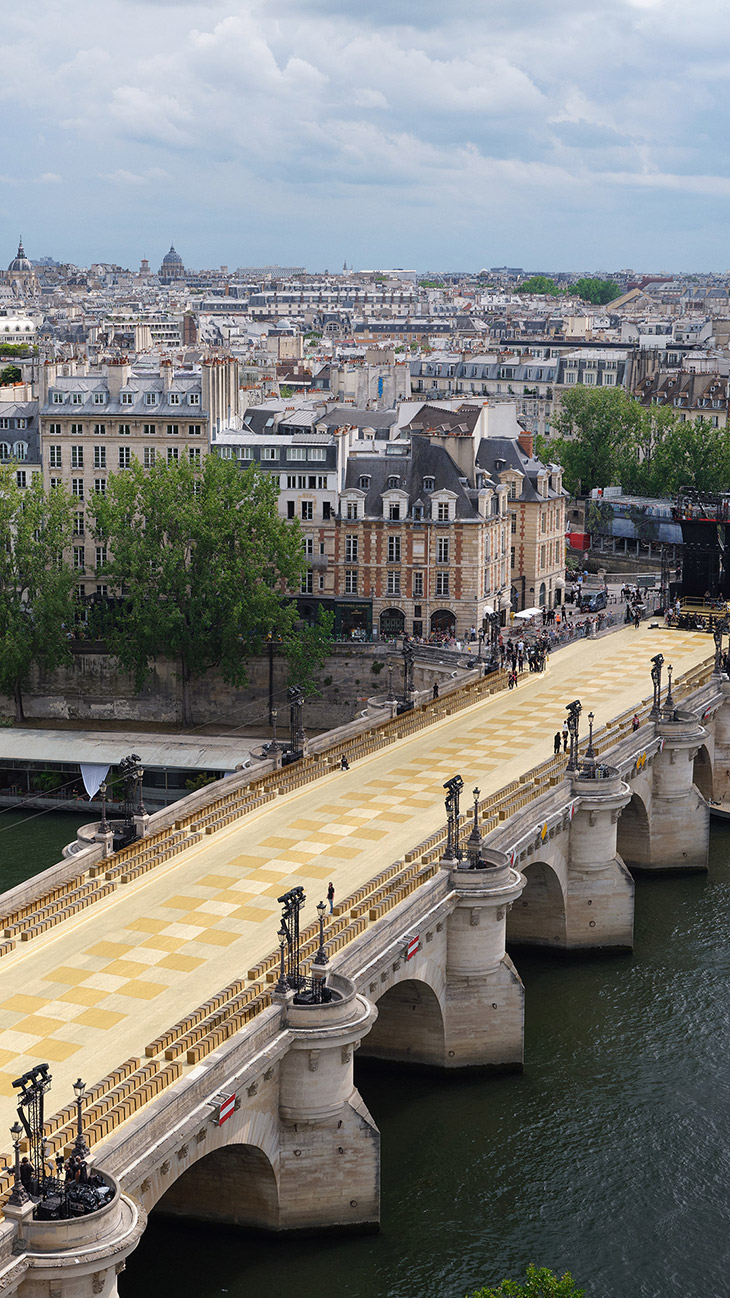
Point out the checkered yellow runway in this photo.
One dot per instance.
(96, 989)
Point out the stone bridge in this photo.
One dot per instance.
(420, 974)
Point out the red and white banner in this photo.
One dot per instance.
(227, 1109)
(413, 947)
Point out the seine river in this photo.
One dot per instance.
(609, 1156)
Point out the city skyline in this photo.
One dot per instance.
(294, 133)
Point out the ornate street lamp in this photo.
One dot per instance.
(453, 788)
(321, 956)
(80, 1146)
(103, 826)
(573, 721)
(669, 701)
(140, 777)
(656, 680)
(474, 845)
(590, 760)
(19, 1194)
(274, 747)
(282, 985)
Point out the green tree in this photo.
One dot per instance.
(598, 291)
(540, 284)
(14, 349)
(36, 584)
(202, 559)
(598, 428)
(538, 1283)
(10, 374)
(306, 652)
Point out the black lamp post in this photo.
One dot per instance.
(140, 777)
(573, 722)
(282, 984)
(103, 826)
(474, 846)
(656, 680)
(321, 956)
(274, 747)
(19, 1194)
(453, 788)
(80, 1146)
(590, 761)
(409, 654)
(669, 701)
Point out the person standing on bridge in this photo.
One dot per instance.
(566, 737)
(556, 743)
(331, 895)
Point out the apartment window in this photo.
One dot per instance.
(589, 380)
(173, 430)
(125, 457)
(394, 512)
(77, 430)
(513, 526)
(54, 457)
(77, 488)
(125, 430)
(194, 454)
(100, 486)
(393, 549)
(173, 398)
(307, 511)
(442, 550)
(78, 524)
(350, 549)
(364, 483)
(393, 482)
(443, 511)
(543, 518)
(326, 511)
(55, 482)
(54, 430)
(103, 591)
(321, 581)
(269, 452)
(352, 509)
(150, 398)
(76, 398)
(351, 581)
(316, 453)
(570, 377)
(79, 559)
(194, 398)
(99, 430)
(307, 585)
(609, 380)
(417, 584)
(99, 457)
(429, 484)
(394, 583)
(126, 398)
(194, 430)
(149, 430)
(512, 557)
(58, 398)
(442, 583)
(99, 398)
(100, 556)
(173, 455)
(297, 453)
(20, 477)
(149, 453)
(542, 556)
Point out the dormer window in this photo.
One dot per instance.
(194, 398)
(429, 484)
(76, 398)
(364, 483)
(150, 398)
(58, 398)
(99, 398)
(173, 398)
(126, 398)
(393, 483)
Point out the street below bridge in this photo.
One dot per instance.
(96, 989)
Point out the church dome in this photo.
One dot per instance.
(20, 262)
(172, 258)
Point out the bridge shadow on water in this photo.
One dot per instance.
(607, 1156)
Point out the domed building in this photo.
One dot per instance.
(21, 273)
(20, 262)
(172, 267)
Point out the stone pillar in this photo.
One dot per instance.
(484, 995)
(599, 903)
(78, 1258)
(329, 1165)
(107, 841)
(142, 824)
(679, 836)
(721, 771)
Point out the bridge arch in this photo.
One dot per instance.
(633, 836)
(409, 1027)
(233, 1185)
(537, 918)
(702, 773)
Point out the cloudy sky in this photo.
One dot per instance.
(550, 134)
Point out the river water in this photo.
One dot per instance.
(31, 841)
(608, 1156)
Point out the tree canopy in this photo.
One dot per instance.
(10, 374)
(539, 1282)
(201, 558)
(36, 585)
(608, 438)
(540, 284)
(597, 291)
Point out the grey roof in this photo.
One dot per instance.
(509, 451)
(341, 415)
(424, 460)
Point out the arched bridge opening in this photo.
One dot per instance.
(632, 836)
(234, 1185)
(537, 918)
(409, 1027)
(702, 774)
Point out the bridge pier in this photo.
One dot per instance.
(599, 902)
(721, 772)
(679, 830)
(484, 997)
(76, 1258)
(329, 1146)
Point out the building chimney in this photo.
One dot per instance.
(527, 443)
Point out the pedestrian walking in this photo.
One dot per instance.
(566, 737)
(556, 743)
(331, 895)
(635, 722)
(435, 690)
(637, 620)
